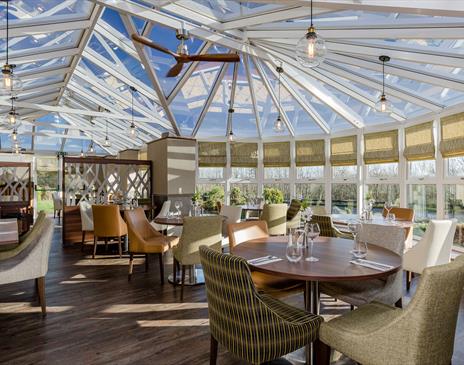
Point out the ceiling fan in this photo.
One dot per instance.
(182, 56)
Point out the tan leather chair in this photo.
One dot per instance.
(144, 239)
(401, 214)
(107, 223)
(269, 284)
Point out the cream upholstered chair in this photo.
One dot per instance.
(232, 214)
(319, 210)
(275, 216)
(29, 259)
(197, 231)
(269, 284)
(433, 249)
(294, 214)
(255, 327)
(57, 204)
(144, 239)
(86, 219)
(421, 334)
(165, 208)
(389, 290)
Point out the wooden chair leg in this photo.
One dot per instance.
(408, 280)
(146, 262)
(59, 216)
(54, 213)
(83, 240)
(120, 246)
(161, 263)
(174, 271)
(94, 246)
(322, 353)
(399, 303)
(213, 351)
(352, 307)
(106, 244)
(182, 284)
(41, 294)
(131, 266)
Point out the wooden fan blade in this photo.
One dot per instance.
(149, 43)
(175, 70)
(220, 57)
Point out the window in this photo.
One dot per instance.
(344, 199)
(242, 193)
(210, 172)
(244, 173)
(454, 208)
(421, 169)
(423, 199)
(47, 181)
(284, 188)
(276, 172)
(344, 172)
(382, 170)
(382, 193)
(313, 193)
(310, 172)
(455, 166)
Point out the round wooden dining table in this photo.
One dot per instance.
(333, 265)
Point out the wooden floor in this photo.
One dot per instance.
(95, 316)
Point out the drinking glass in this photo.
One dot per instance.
(354, 227)
(388, 206)
(294, 250)
(391, 217)
(313, 231)
(178, 205)
(359, 250)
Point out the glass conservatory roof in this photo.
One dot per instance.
(78, 63)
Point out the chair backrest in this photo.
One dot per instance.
(107, 221)
(275, 216)
(403, 214)
(319, 210)
(325, 225)
(293, 209)
(232, 214)
(432, 314)
(139, 229)
(246, 231)
(86, 215)
(165, 209)
(8, 232)
(435, 246)
(57, 201)
(199, 231)
(387, 236)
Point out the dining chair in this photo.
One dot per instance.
(275, 216)
(196, 232)
(85, 209)
(421, 334)
(403, 214)
(389, 290)
(144, 239)
(319, 210)
(327, 227)
(231, 214)
(165, 208)
(251, 230)
(107, 224)
(57, 204)
(294, 214)
(433, 249)
(254, 327)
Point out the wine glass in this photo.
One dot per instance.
(294, 250)
(354, 227)
(178, 205)
(313, 231)
(388, 206)
(359, 250)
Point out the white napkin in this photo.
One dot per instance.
(372, 264)
(264, 260)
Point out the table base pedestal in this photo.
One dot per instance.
(193, 276)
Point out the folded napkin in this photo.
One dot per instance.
(372, 264)
(264, 260)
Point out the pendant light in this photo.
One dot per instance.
(14, 135)
(12, 118)
(82, 154)
(132, 130)
(107, 142)
(311, 49)
(230, 136)
(383, 105)
(278, 124)
(16, 148)
(10, 82)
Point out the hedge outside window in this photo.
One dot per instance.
(244, 155)
(276, 154)
(343, 151)
(310, 153)
(212, 154)
(452, 135)
(381, 147)
(419, 142)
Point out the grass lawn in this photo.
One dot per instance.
(46, 205)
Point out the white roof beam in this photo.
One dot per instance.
(38, 29)
(253, 95)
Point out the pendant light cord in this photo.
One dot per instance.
(280, 103)
(7, 29)
(132, 107)
(311, 13)
(383, 77)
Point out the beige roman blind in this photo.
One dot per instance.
(452, 135)
(343, 151)
(212, 154)
(244, 154)
(419, 143)
(381, 147)
(276, 154)
(310, 153)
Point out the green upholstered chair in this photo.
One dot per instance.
(256, 328)
(294, 214)
(327, 227)
(389, 290)
(197, 231)
(421, 334)
(275, 215)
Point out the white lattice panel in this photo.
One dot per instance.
(14, 184)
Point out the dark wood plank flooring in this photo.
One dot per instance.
(95, 316)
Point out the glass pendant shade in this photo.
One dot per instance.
(16, 148)
(91, 150)
(311, 49)
(10, 82)
(82, 153)
(14, 135)
(132, 131)
(107, 142)
(383, 105)
(12, 119)
(231, 136)
(278, 125)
